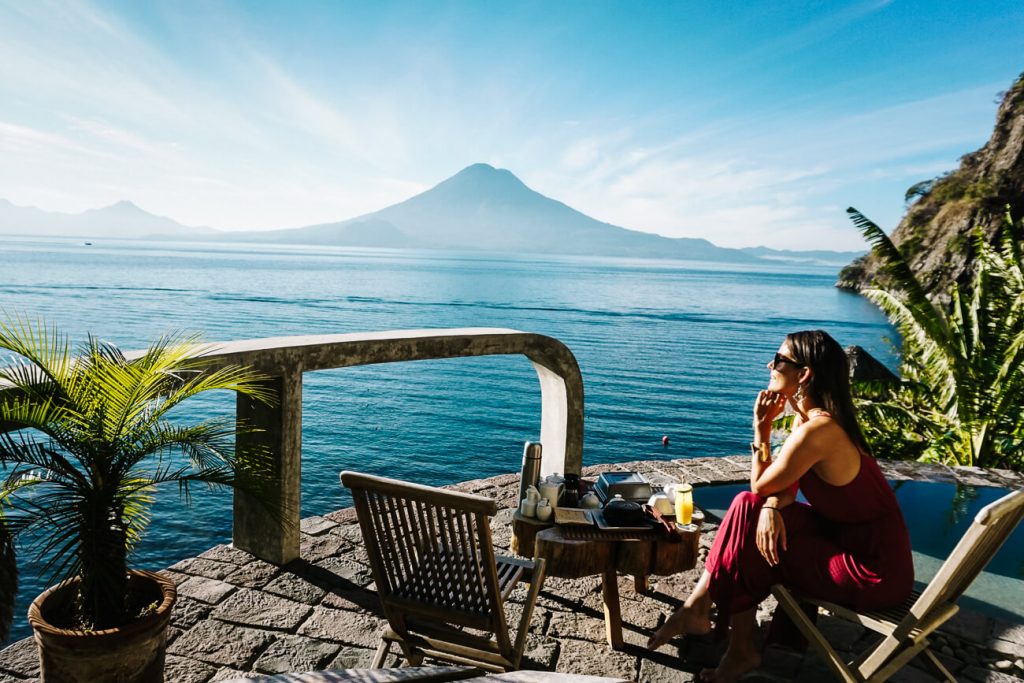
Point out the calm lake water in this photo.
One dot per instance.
(666, 348)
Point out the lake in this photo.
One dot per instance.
(665, 347)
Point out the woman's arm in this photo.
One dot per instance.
(799, 453)
(770, 535)
(781, 499)
(767, 407)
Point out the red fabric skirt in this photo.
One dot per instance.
(813, 562)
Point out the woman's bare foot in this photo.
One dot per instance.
(735, 663)
(693, 618)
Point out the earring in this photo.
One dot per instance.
(799, 395)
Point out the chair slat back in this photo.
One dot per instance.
(430, 550)
(987, 533)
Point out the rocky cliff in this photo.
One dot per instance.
(934, 235)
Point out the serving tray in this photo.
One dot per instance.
(598, 516)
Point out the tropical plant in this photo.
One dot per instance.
(960, 399)
(96, 439)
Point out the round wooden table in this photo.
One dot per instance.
(573, 552)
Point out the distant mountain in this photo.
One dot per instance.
(479, 208)
(123, 220)
(490, 209)
(818, 258)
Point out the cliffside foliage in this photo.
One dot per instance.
(960, 399)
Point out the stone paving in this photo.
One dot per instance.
(238, 615)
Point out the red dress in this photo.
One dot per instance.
(849, 545)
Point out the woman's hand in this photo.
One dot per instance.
(768, 406)
(771, 534)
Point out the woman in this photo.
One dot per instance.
(849, 545)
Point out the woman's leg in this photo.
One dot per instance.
(741, 655)
(693, 618)
(742, 577)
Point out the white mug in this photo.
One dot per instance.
(528, 508)
(544, 510)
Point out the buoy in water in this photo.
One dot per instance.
(664, 440)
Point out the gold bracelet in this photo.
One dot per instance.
(761, 451)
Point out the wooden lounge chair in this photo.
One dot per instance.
(906, 628)
(437, 575)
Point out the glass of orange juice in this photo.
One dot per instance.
(684, 503)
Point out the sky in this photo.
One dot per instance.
(746, 123)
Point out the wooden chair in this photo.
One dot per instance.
(437, 575)
(906, 628)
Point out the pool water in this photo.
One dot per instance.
(937, 516)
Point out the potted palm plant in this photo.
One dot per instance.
(93, 439)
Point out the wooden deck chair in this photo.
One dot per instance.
(437, 575)
(906, 628)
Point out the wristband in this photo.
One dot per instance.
(761, 451)
(769, 507)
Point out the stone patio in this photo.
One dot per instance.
(237, 614)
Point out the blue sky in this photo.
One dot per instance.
(745, 123)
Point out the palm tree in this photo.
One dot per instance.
(96, 439)
(961, 396)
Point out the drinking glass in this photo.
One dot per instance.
(684, 504)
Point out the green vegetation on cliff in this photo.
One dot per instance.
(960, 397)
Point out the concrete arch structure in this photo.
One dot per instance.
(285, 359)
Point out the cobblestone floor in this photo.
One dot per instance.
(237, 614)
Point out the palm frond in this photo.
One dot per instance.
(897, 268)
(95, 440)
(962, 394)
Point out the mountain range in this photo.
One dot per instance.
(122, 220)
(479, 208)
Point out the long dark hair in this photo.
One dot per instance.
(829, 385)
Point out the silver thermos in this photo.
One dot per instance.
(531, 467)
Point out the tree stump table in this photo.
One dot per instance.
(574, 552)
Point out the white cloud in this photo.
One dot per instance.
(257, 137)
(15, 138)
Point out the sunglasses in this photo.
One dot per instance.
(779, 358)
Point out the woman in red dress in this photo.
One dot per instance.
(849, 545)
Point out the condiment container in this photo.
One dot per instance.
(662, 503)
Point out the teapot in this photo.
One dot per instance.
(551, 488)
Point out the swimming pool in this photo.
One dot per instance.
(937, 515)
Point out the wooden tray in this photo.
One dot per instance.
(574, 516)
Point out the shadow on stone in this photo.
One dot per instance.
(336, 585)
